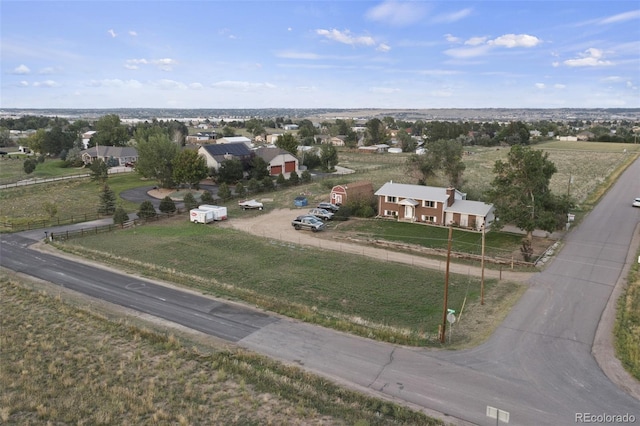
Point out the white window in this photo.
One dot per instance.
(431, 219)
(391, 199)
(391, 213)
(426, 203)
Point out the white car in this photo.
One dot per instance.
(636, 202)
(251, 204)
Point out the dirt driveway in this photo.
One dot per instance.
(276, 225)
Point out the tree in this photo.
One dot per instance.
(254, 185)
(280, 180)
(406, 142)
(267, 184)
(288, 142)
(448, 157)
(167, 205)
(120, 216)
(240, 190)
(190, 201)
(29, 165)
(224, 192)
(294, 179)
(328, 157)
(155, 157)
(520, 191)
(230, 171)
(515, 133)
(99, 171)
(206, 198)
(107, 203)
(189, 168)
(110, 132)
(376, 132)
(306, 176)
(259, 168)
(146, 210)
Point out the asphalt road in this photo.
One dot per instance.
(538, 366)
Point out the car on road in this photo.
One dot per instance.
(321, 213)
(308, 222)
(636, 202)
(251, 204)
(329, 206)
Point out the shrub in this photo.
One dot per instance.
(190, 201)
(294, 179)
(254, 185)
(120, 216)
(206, 197)
(167, 205)
(29, 165)
(281, 181)
(267, 184)
(146, 210)
(361, 207)
(224, 192)
(240, 190)
(306, 176)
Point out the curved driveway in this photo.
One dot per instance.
(538, 365)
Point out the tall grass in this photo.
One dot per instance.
(627, 328)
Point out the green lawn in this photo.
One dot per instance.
(365, 296)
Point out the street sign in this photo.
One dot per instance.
(499, 415)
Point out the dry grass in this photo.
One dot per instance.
(627, 328)
(65, 364)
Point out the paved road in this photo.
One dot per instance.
(537, 366)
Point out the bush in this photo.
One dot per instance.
(167, 205)
(29, 165)
(362, 207)
(224, 192)
(306, 176)
(254, 185)
(206, 198)
(294, 179)
(240, 190)
(146, 210)
(120, 216)
(190, 201)
(267, 184)
(281, 181)
(343, 214)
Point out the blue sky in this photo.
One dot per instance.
(320, 54)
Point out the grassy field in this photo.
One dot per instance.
(386, 301)
(627, 328)
(11, 170)
(61, 363)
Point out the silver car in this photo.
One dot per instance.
(322, 214)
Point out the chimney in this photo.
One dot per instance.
(451, 196)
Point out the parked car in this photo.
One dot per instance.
(321, 213)
(251, 204)
(636, 202)
(308, 222)
(329, 206)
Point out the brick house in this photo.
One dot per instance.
(340, 194)
(433, 205)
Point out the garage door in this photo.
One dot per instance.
(289, 166)
(276, 170)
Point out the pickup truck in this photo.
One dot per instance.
(308, 222)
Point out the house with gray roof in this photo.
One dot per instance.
(278, 161)
(215, 154)
(124, 155)
(433, 206)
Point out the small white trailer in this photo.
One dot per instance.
(201, 216)
(219, 212)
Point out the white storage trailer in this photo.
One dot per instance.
(219, 212)
(201, 216)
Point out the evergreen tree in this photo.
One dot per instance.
(254, 185)
(240, 190)
(224, 192)
(99, 171)
(120, 216)
(107, 201)
(294, 179)
(267, 184)
(190, 201)
(167, 205)
(281, 181)
(206, 198)
(306, 176)
(146, 210)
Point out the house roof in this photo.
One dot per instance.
(477, 208)
(234, 139)
(352, 185)
(418, 192)
(111, 151)
(269, 154)
(237, 149)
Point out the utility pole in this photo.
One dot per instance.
(446, 289)
(482, 267)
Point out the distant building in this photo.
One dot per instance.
(235, 139)
(215, 154)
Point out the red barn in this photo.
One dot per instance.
(340, 194)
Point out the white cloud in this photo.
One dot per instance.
(559, 86)
(169, 84)
(23, 83)
(397, 13)
(468, 52)
(165, 64)
(515, 40)
(46, 83)
(196, 86)
(452, 39)
(383, 47)
(621, 17)
(540, 85)
(475, 41)
(115, 82)
(384, 90)
(454, 16)
(133, 33)
(21, 70)
(242, 85)
(112, 33)
(589, 58)
(346, 37)
(298, 55)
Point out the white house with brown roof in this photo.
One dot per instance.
(433, 205)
